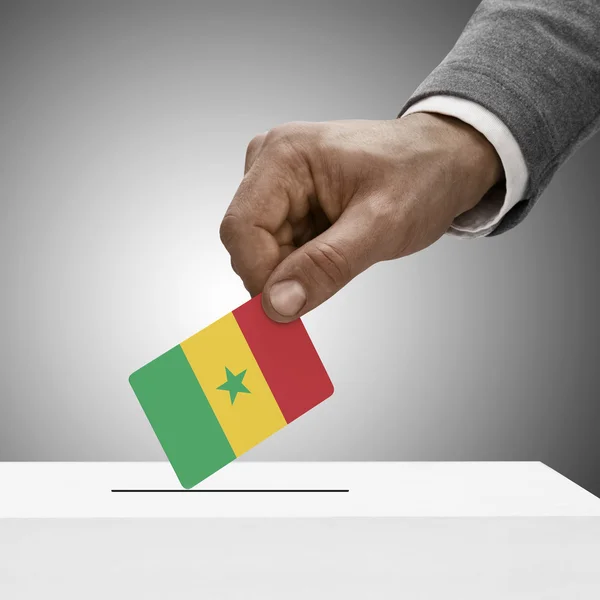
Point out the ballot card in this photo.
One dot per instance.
(228, 387)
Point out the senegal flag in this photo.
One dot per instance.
(227, 388)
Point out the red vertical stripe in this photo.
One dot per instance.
(287, 359)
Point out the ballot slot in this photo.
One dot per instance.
(246, 489)
(250, 491)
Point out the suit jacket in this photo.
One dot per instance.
(536, 65)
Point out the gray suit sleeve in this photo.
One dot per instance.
(536, 65)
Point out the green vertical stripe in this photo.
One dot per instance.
(181, 417)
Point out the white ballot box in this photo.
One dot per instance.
(297, 530)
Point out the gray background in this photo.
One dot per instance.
(123, 128)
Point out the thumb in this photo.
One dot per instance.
(321, 267)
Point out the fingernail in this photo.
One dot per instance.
(287, 297)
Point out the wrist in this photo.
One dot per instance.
(471, 160)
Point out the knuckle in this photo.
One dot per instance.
(283, 132)
(329, 262)
(276, 135)
(228, 229)
(286, 148)
(287, 138)
(254, 146)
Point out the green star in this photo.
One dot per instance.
(234, 384)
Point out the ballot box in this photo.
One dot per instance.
(298, 530)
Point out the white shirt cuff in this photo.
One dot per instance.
(483, 218)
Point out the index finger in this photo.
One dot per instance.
(254, 230)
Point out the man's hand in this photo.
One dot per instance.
(322, 202)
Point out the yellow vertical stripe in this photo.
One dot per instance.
(251, 417)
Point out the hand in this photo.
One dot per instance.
(322, 202)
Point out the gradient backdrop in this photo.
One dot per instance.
(123, 128)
